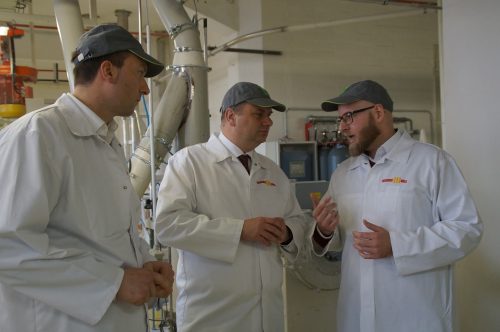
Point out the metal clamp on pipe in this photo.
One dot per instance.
(177, 29)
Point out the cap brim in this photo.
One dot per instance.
(331, 105)
(266, 102)
(154, 66)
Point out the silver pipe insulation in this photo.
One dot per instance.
(169, 115)
(179, 105)
(196, 128)
(188, 57)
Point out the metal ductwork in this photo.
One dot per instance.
(188, 58)
(183, 108)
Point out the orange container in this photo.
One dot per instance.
(13, 92)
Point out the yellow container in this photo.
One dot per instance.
(12, 110)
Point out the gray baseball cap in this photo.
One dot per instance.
(365, 90)
(250, 93)
(106, 39)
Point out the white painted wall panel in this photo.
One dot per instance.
(471, 120)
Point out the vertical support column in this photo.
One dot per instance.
(122, 17)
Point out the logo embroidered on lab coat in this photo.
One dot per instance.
(395, 179)
(267, 183)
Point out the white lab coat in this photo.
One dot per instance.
(418, 194)
(225, 285)
(67, 226)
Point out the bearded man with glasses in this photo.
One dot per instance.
(405, 215)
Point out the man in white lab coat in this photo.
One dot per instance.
(70, 256)
(407, 217)
(231, 221)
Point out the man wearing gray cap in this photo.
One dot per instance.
(407, 217)
(70, 255)
(230, 217)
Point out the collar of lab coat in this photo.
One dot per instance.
(221, 153)
(233, 148)
(81, 120)
(399, 152)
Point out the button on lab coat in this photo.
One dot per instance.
(225, 285)
(67, 226)
(418, 194)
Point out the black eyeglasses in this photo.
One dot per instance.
(348, 117)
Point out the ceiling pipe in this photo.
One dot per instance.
(301, 27)
(408, 3)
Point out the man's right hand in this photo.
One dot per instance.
(137, 286)
(264, 230)
(325, 214)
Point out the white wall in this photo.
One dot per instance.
(471, 120)
(318, 64)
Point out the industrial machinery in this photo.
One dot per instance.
(12, 77)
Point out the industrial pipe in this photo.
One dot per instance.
(70, 27)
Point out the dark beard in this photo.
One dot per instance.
(366, 137)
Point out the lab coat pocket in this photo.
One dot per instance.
(268, 198)
(388, 197)
(113, 222)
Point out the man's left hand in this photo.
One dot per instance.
(163, 277)
(373, 245)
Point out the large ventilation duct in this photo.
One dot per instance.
(188, 58)
(168, 116)
(185, 102)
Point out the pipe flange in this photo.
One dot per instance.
(182, 67)
(186, 49)
(158, 160)
(175, 30)
(145, 161)
(163, 141)
(145, 149)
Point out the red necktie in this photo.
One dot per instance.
(245, 160)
